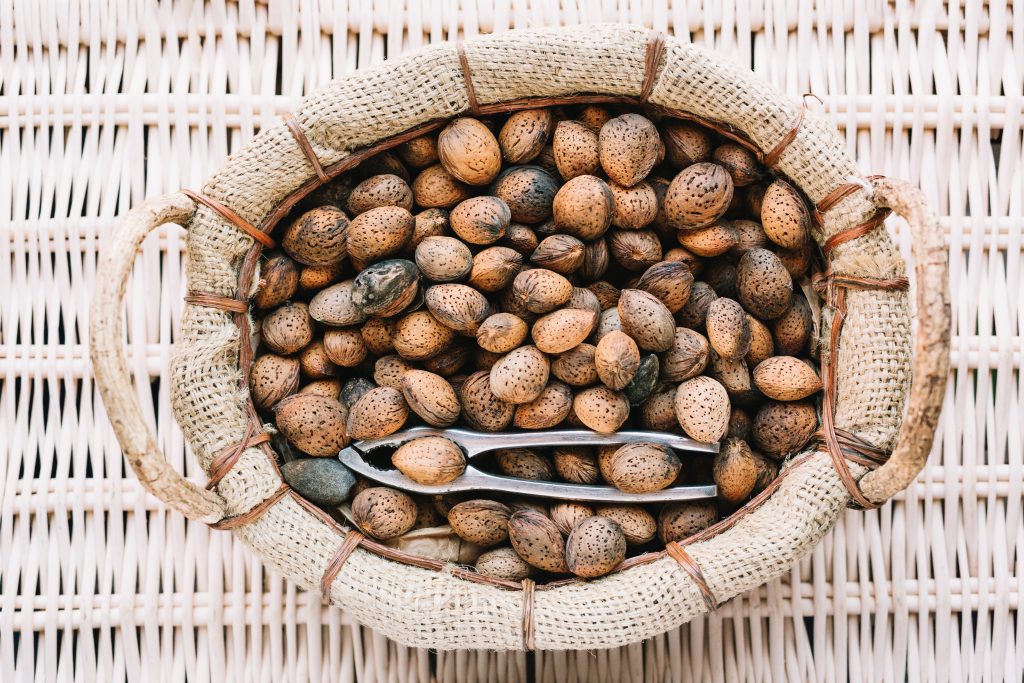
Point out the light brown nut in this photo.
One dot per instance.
(698, 196)
(501, 332)
(576, 366)
(749, 235)
(740, 162)
(574, 146)
(634, 249)
(628, 147)
(561, 330)
(480, 220)
(287, 329)
(524, 134)
(797, 261)
(687, 358)
(313, 424)
(469, 151)
(520, 237)
(669, 282)
(792, 330)
(595, 547)
(686, 143)
(713, 240)
(388, 371)
(431, 397)
(643, 467)
(529, 192)
(523, 463)
(658, 412)
(386, 288)
(318, 237)
(567, 515)
(419, 152)
(636, 207)
(279, 279)
(584, 299)
(638, 525)
(734, 375)
(379, 335)
(728, 329)
(702, 408)
(314, 278)
(780, 429)
(679, 521)
(520, 375)
(450, 361)
(607, 294)
(547, 410)
(379, 233)
(695, 311)
(767, 471)
(384, 513)
(314, 361)
(735, 471)
(481, 408)
(761, 345)
(536, 539)
(763, 284)
(482, 522)
(494, 268)
(785, 378)
(740, 423)
(721, 275)
(428, 223)
(443, 259)
(561, 253)
(271, 378)
(435, 187)
(503, 563)
(345, 347)
(576, 464)
(594, 116)
(608, 323)
(616, 359)
(601, 409)
(430, 460)
(459, 307)
(540, 290)
(584, 207)
(380, 190)
(380, 412)
(784, 215)
(330, 388)
(646, 320)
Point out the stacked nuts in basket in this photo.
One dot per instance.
(562, 267)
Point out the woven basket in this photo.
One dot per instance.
(864, 333)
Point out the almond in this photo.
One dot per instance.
(523, 463)
(435, 187)
(735, 471)
(459, 307)
(749, 235)
(576, 464)
(419, 152)
(315, 363)
(734, 375)
(318, 237)
(687, 358)
(561, 253)
(574, 146)
(616, 359)
(644, 381)
(529, 192)
(482, 522)
(345, 347)
(443, 259)
(781, 429)
(595, 260)
(728, 328)
(584, 207)
(576, 366)
(385, 288)
(636, 207)
(450, 360)
(287, 329)
(638, 525)
(646, 320)
(524, 135)
(561, 330)
(694, 312)
(388, 371)
(607, 294)
(520, 375)
(547, 410)
(430, 460)
(792, 330)
(797, 261)
(679, 521)
(784, 215)
(686, 143)
(761, 345)
(537, 540)
(419, 336)
(785, 378)
(658, 412)
(595, 547)
(351, 391)
(643, 467)
(313, 278)
(608, 323)
(431, 397)
(384, 513)
(520, 237)
(541, 290)
(702, 408)
(380, 190)
(503, 563)
(271, 378)
(380, 412)
(501, 332)
(481, 220)
(567, 515)
(334, 306)
(279, 278)
(469, 151)
(669, 282)
(594, 116)
(601, 409)
(740, 162)
(628, 147)
(713, 240)
(698, 196)
(634, 249)
(585, 300)
(313, 424)
(481, 408)
(763, 285)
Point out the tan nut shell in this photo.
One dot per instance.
(279, 278)
(782, 428)
(687, 358)
(384, 513)
(568, 514)
(601, 409)
(430, 460)
(419, 335)
(271, 378)
(480, 220)
(379, 233)
(503, 563)
(735, 471)
(698, 196)
(313, 424)
(481, 408)
(628, 147)
(501, 332)
(702, 408)
(541, 290)
(494, 268)
(524, 134)
(380, 190)
(679, 521)
(636, 207)
(537, 540)
(459, 307)
(561, 330)
(443, 259)
(576, 366)
(380, 412)
(431, 397)
(318, 237)
(435, 187)
(547, 410)
(480, 521)
(584, 207)
(637, 524)
(469, 151)
(643, 467)
(595, 547)
(646, 320)
(345, 347)
(523, 463)
(616, 359)
(784, 215)
(520, 375)
(574, 146)
(669, 282)
(785, 378)
(728, 328)
(287, 329)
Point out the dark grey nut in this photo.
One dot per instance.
(323, 481)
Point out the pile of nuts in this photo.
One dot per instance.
(575, 267)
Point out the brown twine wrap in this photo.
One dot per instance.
(252, 514)
(837, 195)
(655, 49)
(467, 76)
(232, 217)
(305, 146)
(844, 236)
(528, 622)
(226, 459)
(348, 545)
(679, 554)
(772, 157)
(221, 303)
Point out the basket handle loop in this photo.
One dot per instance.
(931, 344)
(110, 367)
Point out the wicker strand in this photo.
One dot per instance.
(253, 513)
(467, 76)
(655, 50)
(232, 217)
(221, 303)
(676, 551)
(305, 146)
(529, 624)
(859, 230)
(348, 546)
(226, 459)
(772, 157)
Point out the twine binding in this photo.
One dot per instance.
(655, 49)
(222, 464)
(676, 551)
(222, 303)
(232, 217)
(529, 625)
(467, 77)
(253, 513)
(305, 146)
(348, 545)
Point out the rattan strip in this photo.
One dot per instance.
(529, 623)
(253, 513)
(305, 146)
(679, 554)
(232, 217)
(348, 545)
(467, 77)
(772, 157)
(222, 464)
(859, 230)
(221, 303)
(655, 50)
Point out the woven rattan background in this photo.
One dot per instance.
(103, 103)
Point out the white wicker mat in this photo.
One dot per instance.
(104, 102)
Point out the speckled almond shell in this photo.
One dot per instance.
(427, 223)
(584, 207)
(659, 411)
(728, 328)
(431, 397)
(279, 278)
(568, 514)
(694, 312)
(501, 332)
(459, 307)
(379, 412)
(345, 347)
(786, 378)
(480, 407)
(479, 521)
(646, 320)
(679, 521)
(315, 278)
(797, 261)
(287, 329)
(713, 240)
(384, 513)
(315, 363)
(607, 294)
(584, 299)
(561, 253)
(784, 215)
(735, 471)
(388, 371)
(419, 152)
(638, 525)
(740, 162)
(761, 344)
(643, 467)
(524, 134)
(313, 424)
(595, 260)
(763, 284)
(380, 190)
(520, 375)
(595, 547)
(688, 356)
(541, 290)
(547, 410)
(523, 463)
(334, 306)
(609, 322)
(379, 233)
(669, 282)
(430, 460)
(576, 464)
(520, 237)
(480, 220)
(318, 237)
(379, 335)
(576, 367)
(628, 147)
(792, 330)
(386, 288)
(469, 151)
(616, 359)
(493, 268)
(636, 207)
(536, 539)
(702, 408)
(749, 235)
(271, 378)
(781, 428)
(634, 250)
(529, 192)
(443, 259)
(435, 187)
(698, 196)
(561, 330)
(734, 375)
(685, 143)
(601, 409)
(450, 360)
(574, 146)
(503, 563)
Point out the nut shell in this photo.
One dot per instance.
(561, 330)
(379, 233)
(698, 196)
(561, 253)
(659, 411)
(547, 410)
(380, 190)
(443, 259)
(494, 268)
(601, 409)
(313, 424)
(419, 336)
(430, 460)
(702, 408)
(287, 329)
(783, 428)
(480, 220)
(763, 284)
(384, 513)
(784, 215)
(709, 241)
(679, 521)
(694, 312)
(762, 346)
(435, 187)
(503, 563)
(636, 207)
(318, 237)
(380, 412)
(584, 207)
(595, 547)
(574, 147)
(616, 359)
(643, 468)
(345, 347)
(735, 471)
(431, 397)
(315, 363)
(419, 152)
(481, 408)
(740, 162)
(520, 375)
(529, 192)
(501, 332)
(685, 143)
(479, 521)
(523, 463)
(385, 288)
(334, 306)
(351, 391)
(536, 539)
(669, 282)
(271, 378)
(647, 320)
(634, 249)
(785, 378)
(638, 525)
(568, 514)
(628, 147)
(279, 279)
(728, 329)
(524, 135)
(459, 307)
(792, 330)
(388, 371)
(540, 290)
(576, 464)
(577, 366)
(469, 151)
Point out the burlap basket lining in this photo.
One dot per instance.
(441, 609)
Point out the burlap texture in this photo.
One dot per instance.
(435, 609)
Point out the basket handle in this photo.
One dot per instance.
(110, 367)
(931, 346)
